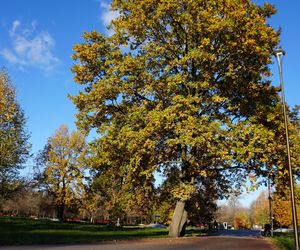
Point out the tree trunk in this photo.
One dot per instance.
(183, 223)
(178, 223)
(60, 212)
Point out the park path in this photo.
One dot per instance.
(192, 243)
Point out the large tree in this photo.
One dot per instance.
(179, 85)
(64, 162)
(14, 145)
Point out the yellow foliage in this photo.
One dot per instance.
(65, 166)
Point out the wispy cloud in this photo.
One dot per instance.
(107, 15)
(15, 25)
(30, 48)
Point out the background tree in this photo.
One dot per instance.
(279, 170)
(227, 211)
(277, 165)
(163, 211)
(91, 205)
(282, 209)
(123, 191)
(25, 202)
(241, 219)
(14, 145)
(260, 211)
(188, 92)
(64, 168)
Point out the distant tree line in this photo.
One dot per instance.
(258, 214)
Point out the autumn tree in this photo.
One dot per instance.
(277, 168)
(64, 168)
(281, 199)
(282, 209)
(260, 210)
(226, 212)
(179, 85)
(23, 202)
(90, 205)
(241, 219)
(14, 145)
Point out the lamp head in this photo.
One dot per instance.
(279, 52)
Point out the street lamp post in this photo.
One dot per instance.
(270, 205)
(279, 56)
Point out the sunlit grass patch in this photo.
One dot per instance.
(20, 231)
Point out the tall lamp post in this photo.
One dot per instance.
(270, 204)
(279, 56)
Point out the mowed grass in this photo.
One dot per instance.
(21, 231)
(284, 241)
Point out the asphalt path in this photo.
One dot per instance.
(223, 240)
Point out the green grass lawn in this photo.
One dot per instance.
(284, 241)
(20, 231)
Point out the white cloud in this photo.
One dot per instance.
(30, 49)
(15, 25)
(9, 56)
(108, 15)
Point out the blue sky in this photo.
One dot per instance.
(36, 40)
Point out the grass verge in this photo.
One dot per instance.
(283, 241)
(21, 231)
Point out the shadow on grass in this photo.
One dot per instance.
(19, 231)
(224, 232)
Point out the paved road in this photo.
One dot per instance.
(194, 243)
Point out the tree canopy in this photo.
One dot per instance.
(180, 85)
(14, 145)
(64, 162)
